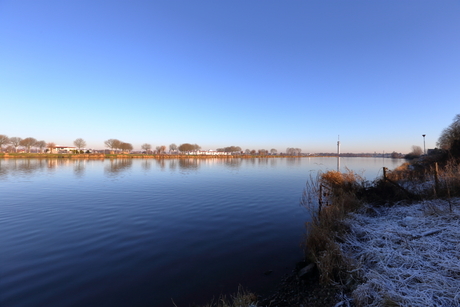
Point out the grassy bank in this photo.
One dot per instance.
(380, 242)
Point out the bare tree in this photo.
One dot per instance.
(117, 144)
(293, 151)
(125, 147)
(28, 143)
(41, 145)
(416, 150)
(15, 141)
(262, 152)
(172, 147)
(161, 149)
(79, 143)
(230, 149)
(51, 146)
(146, 147)
(3, 140)
(273, 151)
(112, 144)
(186, 147)
(450, 135)
(247, 151)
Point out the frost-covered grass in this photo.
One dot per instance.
(407, 255)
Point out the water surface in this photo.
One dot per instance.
(142, 232)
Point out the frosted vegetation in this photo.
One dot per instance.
(407, 255)
(392, 242)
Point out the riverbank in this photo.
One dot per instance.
(392, 242)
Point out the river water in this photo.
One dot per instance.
(145, 232)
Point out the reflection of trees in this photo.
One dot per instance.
(293, 161)
(263, 161)
(146, 165)
(18, 167)
(161, 163)
(233, 163)
(189, 164)
(117, 166)
(3, 168)
(79, 168)
(172, 163)
(273, 162)
(29, 166)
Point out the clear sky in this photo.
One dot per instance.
(250, 73)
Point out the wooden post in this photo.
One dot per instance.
(320, 201)
(384, 173)
(436, 179)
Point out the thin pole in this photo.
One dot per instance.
(424, 148)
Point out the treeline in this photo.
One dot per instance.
(13, 143)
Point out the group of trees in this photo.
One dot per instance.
(27, 143)
(450, 138)
(116, 145)
(293, 151)
(173, 148)
(230, 149)
(30, 142)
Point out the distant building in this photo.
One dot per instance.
(208, 153)
(62, 149)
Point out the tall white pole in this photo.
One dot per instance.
(424, 150)
(338, 146)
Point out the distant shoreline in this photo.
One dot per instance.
(140, 156)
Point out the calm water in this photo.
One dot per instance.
(143, 232)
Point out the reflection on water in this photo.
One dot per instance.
(79, 168)
(24, 167)
(146, 165)
(189, 164)
(161, 163)
(233, 163)
(117, 166)
(294, 161)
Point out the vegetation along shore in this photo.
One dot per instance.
(390, 242)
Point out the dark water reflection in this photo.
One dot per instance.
(116, 166)
(127, 232)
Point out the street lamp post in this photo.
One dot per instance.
(424, 150)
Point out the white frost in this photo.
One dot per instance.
(408, 254)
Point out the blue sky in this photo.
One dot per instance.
(256, 74)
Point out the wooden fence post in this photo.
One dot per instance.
(320, 200)
(436, 179)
